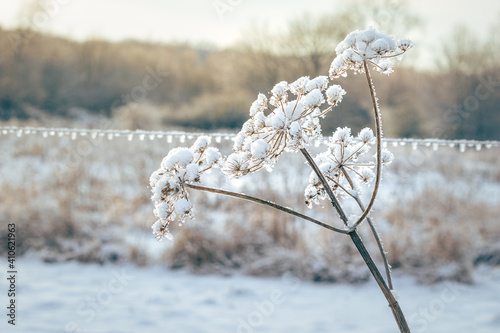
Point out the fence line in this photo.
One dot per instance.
(74, 133)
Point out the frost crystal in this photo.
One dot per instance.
(368, 45)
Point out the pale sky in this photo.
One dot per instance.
(221, 22)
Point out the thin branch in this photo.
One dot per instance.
(266, 203)
(378, 133)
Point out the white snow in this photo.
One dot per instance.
(320, 82)
(313, 99)
(366, 135)
(279, 89)
(259, 148)
(71, 297)
(200, 144)
(181, 156)
(335, 94)
(298, 87)
(182, 206)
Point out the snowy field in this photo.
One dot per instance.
(71, 297)
(87, 260)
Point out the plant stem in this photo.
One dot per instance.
(378, 134)
(379, 244)
(393, 304)
(373, 229)
(266, 203)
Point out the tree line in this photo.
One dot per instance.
(203, 87)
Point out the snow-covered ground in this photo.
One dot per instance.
(71, 204)
(72, 297)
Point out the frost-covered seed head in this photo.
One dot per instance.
(200, 144)
(342, 135)
(280, 89)
(320, 82)
(368, 45)
(259, 149)
(405, 44)
(299, 86)
(366, 135)
(334, 94)
(181, 166)
(343, 165)
(177, 156)
(366, 175)
(313, 99)
(259, 105)
(386, 156)
(284, 124)
(182, 207)
(236, 165)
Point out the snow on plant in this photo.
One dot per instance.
(288, 126)
(287, 121)
(342, 167)
(181, 166)
(370, 46)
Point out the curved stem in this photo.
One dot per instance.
(266, 203)
(378, 134)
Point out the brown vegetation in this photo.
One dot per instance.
(208, 88)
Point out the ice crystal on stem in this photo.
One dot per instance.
(180, 166)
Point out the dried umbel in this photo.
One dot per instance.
(368, 45)
(343, 166)
(281, 124)
(181, 166)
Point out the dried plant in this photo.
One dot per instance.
(288, 121)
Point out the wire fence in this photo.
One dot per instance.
(170, 136)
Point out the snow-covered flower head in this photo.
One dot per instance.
(342, 165)
(368, 45)
(180, 166)
(281, 123)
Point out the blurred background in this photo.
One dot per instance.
(71, 60)
(196, 67)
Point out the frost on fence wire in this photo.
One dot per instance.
(170, 136)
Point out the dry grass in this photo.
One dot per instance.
(439, 231)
